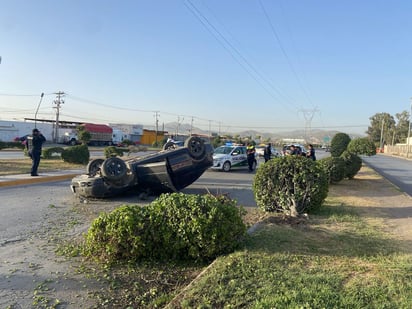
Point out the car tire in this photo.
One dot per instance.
(169, 145)
(114, 168)
(196, 147)
(226, 166)
(94, 166)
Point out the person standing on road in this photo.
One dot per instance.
(311, 153)
(250, 151)
(267, 152)
(34, 145)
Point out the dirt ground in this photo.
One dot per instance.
(43, 279)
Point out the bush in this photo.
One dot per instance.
(334, 167)
(174, 226)
(47, 153)
(18, 145)
(292, 184)
(77, 154)
(339, 144)
(199, 227)
(353, 164)
(362, 146)
(113, 151)
(122, 234)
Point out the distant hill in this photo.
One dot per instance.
(317, 136)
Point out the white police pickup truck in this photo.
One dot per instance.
(230, 157)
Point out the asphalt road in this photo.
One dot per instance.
(396, 170)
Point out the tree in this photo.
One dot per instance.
(375, 132)
(83, 135)
(362, 146)
(339, 144)
(402, 127)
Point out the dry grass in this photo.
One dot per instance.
(22, 166)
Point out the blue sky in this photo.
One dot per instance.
(234, 65)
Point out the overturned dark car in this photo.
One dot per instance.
(169, 170)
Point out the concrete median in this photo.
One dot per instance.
(26, 179)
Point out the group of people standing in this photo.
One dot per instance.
(267, 153)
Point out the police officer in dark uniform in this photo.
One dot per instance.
(250, 152)
(34, 145)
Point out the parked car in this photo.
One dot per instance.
(299, 148)
(226, 158)
(173, 145)
(261, 149)
(169, 170)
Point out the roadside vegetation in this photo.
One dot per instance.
(337, 257)
(311, 246)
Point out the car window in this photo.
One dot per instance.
(223, 150)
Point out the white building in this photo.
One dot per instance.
(9, 130)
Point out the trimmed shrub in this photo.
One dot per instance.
(113, 151)
(362, 146)
(47, 153)
(339, 144)
(174, 226)
(292, 184)
(123, 234)
(353, 164)
(199, 227)
(77, 154)
(18, 145)
(334, 167)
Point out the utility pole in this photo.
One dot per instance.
(408, 140)
(59, 101)
(157, 123)
(191, 126)
(381, 141)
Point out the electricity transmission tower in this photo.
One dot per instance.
(308, 115)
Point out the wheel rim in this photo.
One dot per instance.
(226, 166)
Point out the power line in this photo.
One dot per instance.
(206, 23)
(272, 27)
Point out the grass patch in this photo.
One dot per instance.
(23, 166)
(336, 261)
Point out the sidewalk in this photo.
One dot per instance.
(26, 179)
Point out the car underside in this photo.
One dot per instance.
(169, 170)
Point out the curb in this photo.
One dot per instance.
(34, 180)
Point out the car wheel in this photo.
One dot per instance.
(94, 166)
(169, 145)
(226, 166)
(196, 147)
(114, 168)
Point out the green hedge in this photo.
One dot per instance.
(334, 167)
(353, 164)
(4, 145)
(48, 153)
(175, 226)
(77, 154)
(291, 184)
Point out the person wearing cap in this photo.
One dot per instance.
(34, 145)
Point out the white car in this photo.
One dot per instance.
(226, 158)
(260, 150)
